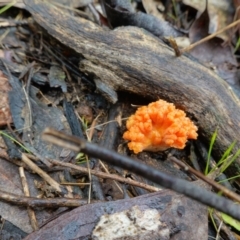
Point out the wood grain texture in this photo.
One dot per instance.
(133, 60)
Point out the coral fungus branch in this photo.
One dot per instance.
(159, 126)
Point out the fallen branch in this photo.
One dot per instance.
(181, 186)
(130, 59)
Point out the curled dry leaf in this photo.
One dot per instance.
(214, 54)
(220, 13)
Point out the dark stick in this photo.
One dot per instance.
(181, 186)
(234, 196)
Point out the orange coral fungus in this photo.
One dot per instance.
(159, 126)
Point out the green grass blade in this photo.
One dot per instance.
(228, 163)
(237, 45)
(229, 179)
(15, 141)
(225, 156)
(5, 8)
(226, 153)
(213, 139)
(210, 211)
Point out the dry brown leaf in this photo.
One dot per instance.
(219, 12)
(151, 7)
(5, 114)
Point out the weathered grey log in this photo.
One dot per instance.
(132, 60)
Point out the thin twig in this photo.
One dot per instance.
(30, 211)
(90, 180)
(106, 170)
(94, 13)
(19, 163)
(74, 184)
(92, 128)
(102, 124)
(41, 173)
(68, 64)
(107, 176)
(216, 185)
(179, 185)
(186, 49)
(174, 45)
(218, 231)
(40, 202)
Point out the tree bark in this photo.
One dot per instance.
(131, 59)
